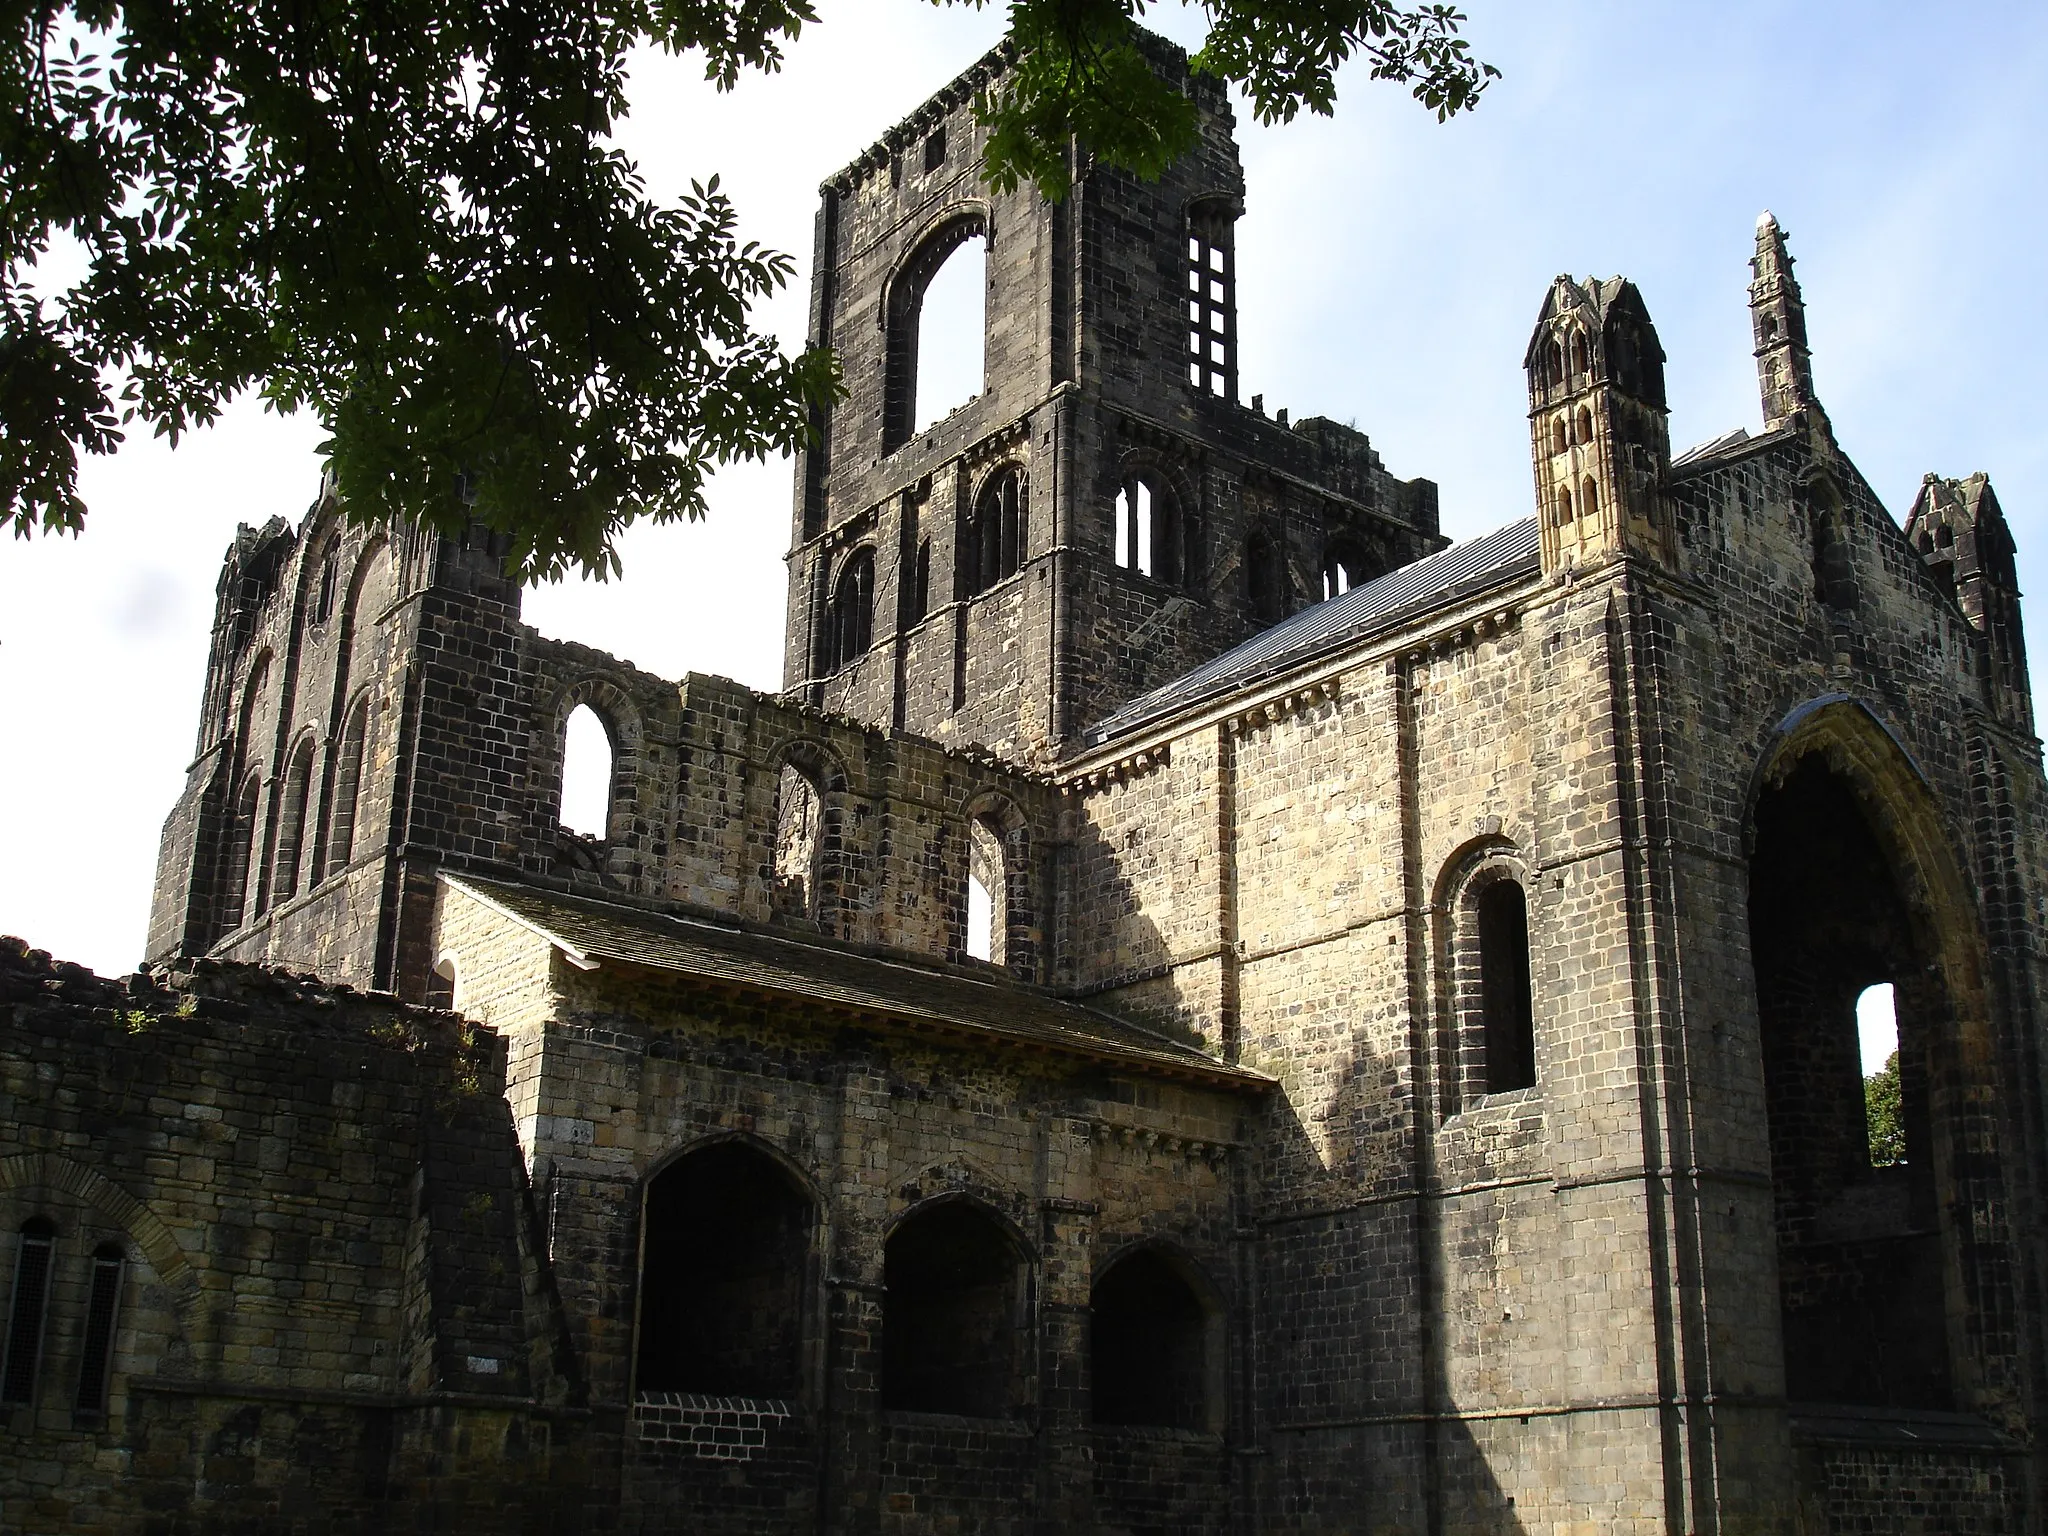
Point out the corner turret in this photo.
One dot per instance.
(1599, 426)
(1957, 528)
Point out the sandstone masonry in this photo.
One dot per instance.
(1198, 1009)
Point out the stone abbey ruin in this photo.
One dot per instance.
(1198, 1009)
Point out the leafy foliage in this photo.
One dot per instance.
(411, 220)
(1883, 1116)
(1079, 75)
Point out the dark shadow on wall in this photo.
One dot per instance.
(1335, 1311)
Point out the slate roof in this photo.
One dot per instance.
(1475, 566)
(595, 933)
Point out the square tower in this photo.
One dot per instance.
(1104, 513)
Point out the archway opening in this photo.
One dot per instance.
(722, 1276)
(988, 884)
(1150, 1343)
(586, 807)
(799, 819)
(951, 328)
(952, 1314)
(1860, 1257)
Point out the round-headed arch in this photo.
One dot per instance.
(616, 712)
(903, 293)
(159, 1244)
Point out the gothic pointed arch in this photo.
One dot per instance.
(807, 863)
(998, 922)
(1892, 1273)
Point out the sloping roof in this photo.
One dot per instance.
(1713, 447)
(595, 933)
(1474, 566)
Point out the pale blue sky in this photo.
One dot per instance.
(1390, 269)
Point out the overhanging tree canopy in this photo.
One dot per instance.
(410, 220)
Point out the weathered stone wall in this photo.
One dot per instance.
(331, 1316)
(1604, 736)
(614, 1074)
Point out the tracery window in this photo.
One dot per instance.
(850, 616)
(1212, 300)
(1148, 528)
(993, 549)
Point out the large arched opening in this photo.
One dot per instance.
(954, 1314)
(935, 314)
(1155, 1345)
(723, 1257)
(1852, 891)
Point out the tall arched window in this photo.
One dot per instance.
(722, 1293)
(1589, 497)
(239, 873)
(1152, 1339)
(1564, 505)
(34, 1250)
(935, 324)
(850, 616)
(953, 1314)
(1148, 528)
(1578, 353)
(102, 1318)
(1858, 1097)
(988, 917)
(326, 581)
(993, 548)
(951, 326)
(921, 582)
(799, 824)
(348, 786)
(1489, 1014)
(587, 767)
(1265, 579)
(292, 853)
(1508, 1010)
(1585, 425)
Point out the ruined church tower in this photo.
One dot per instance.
(1106, 512)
